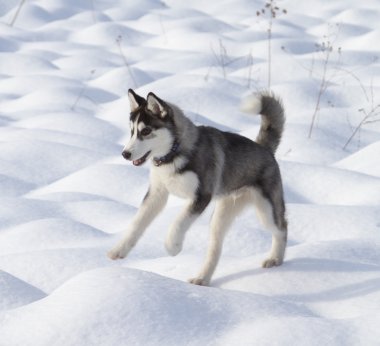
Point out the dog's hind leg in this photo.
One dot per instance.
(272, 216)
(153, 203)
(225, 211)
(177, 232)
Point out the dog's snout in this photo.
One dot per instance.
(126, 154)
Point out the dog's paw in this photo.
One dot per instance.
(173, 246)
(271, 262)
(117, 252)
(199, 281)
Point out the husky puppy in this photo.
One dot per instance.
(199, 163)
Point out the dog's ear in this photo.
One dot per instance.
(157, 106)
(135, 100)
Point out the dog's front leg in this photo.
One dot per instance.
(154, 201)
(182, 223)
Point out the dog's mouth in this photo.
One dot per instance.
(141, 160)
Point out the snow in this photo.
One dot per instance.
(66, 194)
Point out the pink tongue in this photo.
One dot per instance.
(136, 162)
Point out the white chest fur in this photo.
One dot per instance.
(183, 185)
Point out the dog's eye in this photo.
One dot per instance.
(146, 131)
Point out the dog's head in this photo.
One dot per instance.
(152, 128)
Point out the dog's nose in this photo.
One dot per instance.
(126, 154)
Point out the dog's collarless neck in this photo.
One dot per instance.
(158, 161)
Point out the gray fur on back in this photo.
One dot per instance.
(226, 162)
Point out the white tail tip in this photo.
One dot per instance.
(251, 104)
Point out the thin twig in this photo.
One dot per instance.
(250, 65)
(270, 52)
(354, 133)
(353, 75)
(273, 10)
(322, 89)
(374, 112)
(118, 41)
(21, 4)
(93, 11)
(81, 92)
(163, 28)
(222, 58)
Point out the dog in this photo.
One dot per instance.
(199, 163)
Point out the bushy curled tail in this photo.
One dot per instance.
(272, 117)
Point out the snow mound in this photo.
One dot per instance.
(363, 161)
(15, 292)
(124, 306)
